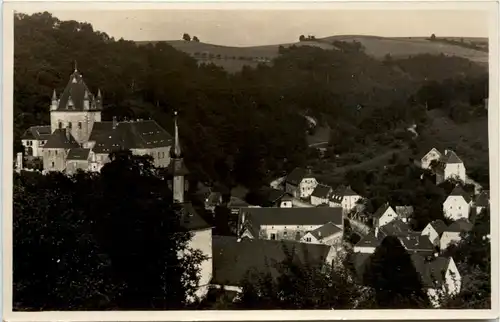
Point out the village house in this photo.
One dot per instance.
(235, 259)
(452, 234)
(34, 139)
(344, 197)
(75, 123)
(440, 277)
(367, 244)
(450, 166)
(434, 230)
(384, 215)
(432, 155)
(328, 234)
(300, 183)
(482, 201)
(458, 204)
(285, 223)
(321, 194)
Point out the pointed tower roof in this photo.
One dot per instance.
(75, 93)
(54, 95)
(177, 166)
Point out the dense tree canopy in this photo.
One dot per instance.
(105, 241)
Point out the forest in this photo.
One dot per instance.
(249, 120)
(236, 129)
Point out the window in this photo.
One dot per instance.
(284, 233)
(273, 236)
(56, 152)
(70, 125)
(60, 125)
(79, 125)
(52, 164)
(308, 239)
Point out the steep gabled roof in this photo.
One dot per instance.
(439, 226)
(296, 176)
(322, 191)
(451, 158)
(59, 140)
(42, 132)
(233, 259)
(78, 154)
(459, 192)
(483, 199)
(424, 154)
(381, 210)
(461, 225)
(325, 231)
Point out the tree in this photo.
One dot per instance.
(391, 273)
(101, 241)
(433, 37)
(302, 38)
(186, 37)
(195, 39)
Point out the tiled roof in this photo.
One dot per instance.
(461, 225)
(381, 210)
(458, 191)
(451, 158)
(483, 199)
(404, 211)
(191, 220)
(423, 154)
(395, 228)
(233, 259)
(432, 274)
(294, 216)
(59, 140)
(100, 128)
(142, 134)
(369, 241)
(322, 191)
(326, 230)
(74, 95)
(417, 244)
(296, 176)
(78, 154)
(439, 226)
(42, 132)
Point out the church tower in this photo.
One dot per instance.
(177, 168)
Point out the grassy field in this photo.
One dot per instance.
(234, 58)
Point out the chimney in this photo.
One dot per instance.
(68, 133)
(19, 161)
(115, 122)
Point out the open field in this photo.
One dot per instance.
(234, 58)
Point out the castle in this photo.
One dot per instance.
(77, 138)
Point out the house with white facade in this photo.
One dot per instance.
(285, 223)
(432, 155)
(321, 195)
(300, 183)
(384, 215)
(344, 197)
(367, 244)
(434, 230)
(34, 139)
(328, 234)
(235, 259)
(440, 277)
(452, 234)
(457, 205)
(450, 167)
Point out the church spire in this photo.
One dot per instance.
(177, 146)
(54, 95)
(76, 69)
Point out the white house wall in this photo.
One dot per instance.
(387, 217)
(202, 240)
(449, 238)
(455, 208)
(279, 231)
(430, 232)
(364, 250)
(455, 171)
(307, 186)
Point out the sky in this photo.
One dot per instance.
(266, 27)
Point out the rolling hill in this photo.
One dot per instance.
(234, 58)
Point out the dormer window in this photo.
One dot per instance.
(79, 125)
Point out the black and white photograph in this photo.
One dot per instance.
(247, 159)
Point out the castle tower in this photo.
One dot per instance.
(76, 108)
(177, 168)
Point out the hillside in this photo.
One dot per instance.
(234, 58)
